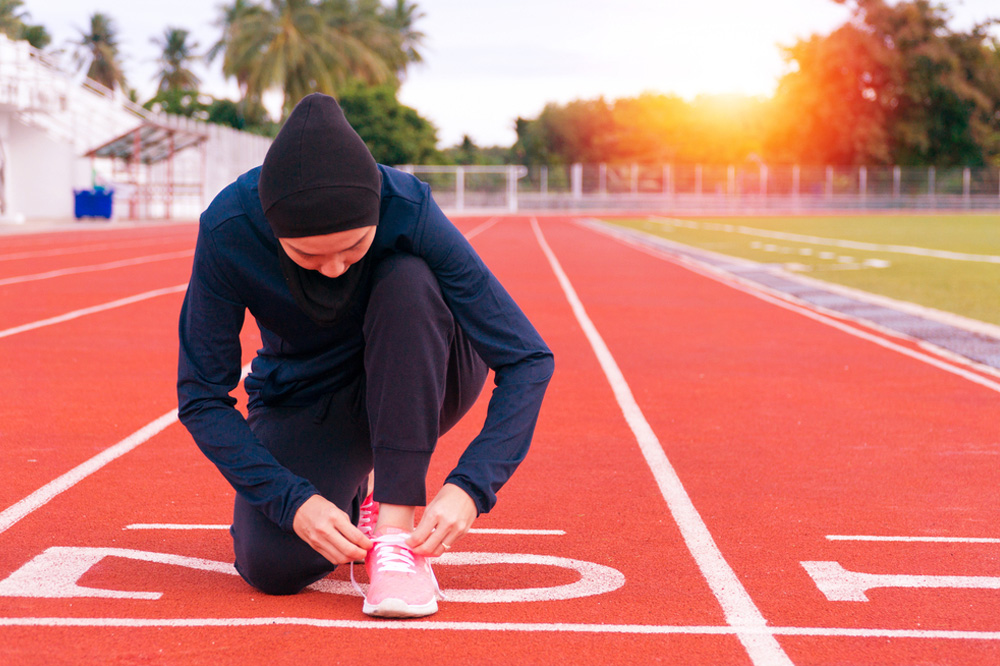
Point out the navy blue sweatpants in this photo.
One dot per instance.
(421, 376)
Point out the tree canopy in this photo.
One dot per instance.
(297, 47)
(894, 85)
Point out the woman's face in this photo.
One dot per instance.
(330, 254)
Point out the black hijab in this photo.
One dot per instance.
(318, 178)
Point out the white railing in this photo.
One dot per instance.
(715, 188)
(479, 187)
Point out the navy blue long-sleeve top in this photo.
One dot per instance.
(236, 270)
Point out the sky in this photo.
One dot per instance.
(486, 63)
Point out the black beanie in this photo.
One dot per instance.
(318, 176)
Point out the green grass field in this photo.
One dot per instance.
(814, 246)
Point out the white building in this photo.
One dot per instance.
(53, 121)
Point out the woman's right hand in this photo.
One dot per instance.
(322, 525)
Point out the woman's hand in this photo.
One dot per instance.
(446, 520)
(330, 531)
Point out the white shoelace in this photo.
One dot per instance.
(392, 554)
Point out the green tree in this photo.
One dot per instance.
(36, 35)
(945, 112)
(235, 114)
(13, 23)
(177, 55)
(580, 131)
(180, 102)
(895, 84)
(835, 104)
(396, 134)
(12, 18)
(468, 153)
(102, 43)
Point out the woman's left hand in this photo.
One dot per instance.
(446, 520)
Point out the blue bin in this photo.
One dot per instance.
(93, 203)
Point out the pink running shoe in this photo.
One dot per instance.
(402, 583)
(369, 516)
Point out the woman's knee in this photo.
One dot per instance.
(270, 559)
(404, 287)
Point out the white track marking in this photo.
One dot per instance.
(50, 490)
(474, 530)
(910, 539)
(92, 310)
(837, 242)
(541, 627)
(93, 268)
(840, 584)
(481, 228)
(738, 607)
(46, 493)
(173, 526)
(510, 532)
(79, 249)
(56, 572)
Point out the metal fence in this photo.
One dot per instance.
(711, 188)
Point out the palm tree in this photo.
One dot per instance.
(177, 54)
(230, 15)
(303, 46)
(362, 48)
(401, 20)
(102, 43)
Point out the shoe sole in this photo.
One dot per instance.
(399, 608)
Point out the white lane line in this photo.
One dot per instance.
(93, 268)
(838, 242)
(92, 247)
(481, 228)
(474, 530)
(53, 488)
(91, 310)
(509, 532)
(173, 526)
(738, 607)
(910, 539)
(542, 627)
(63, 483)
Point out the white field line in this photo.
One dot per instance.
(541, 627)
(79, 249)
(93, 268)
(738, 608)
(50, 490)
(474, 530)
(780, 299)
(92, 310)
(910, 539)
(481, 228)
(838, 242)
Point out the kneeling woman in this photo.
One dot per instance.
(379, 323)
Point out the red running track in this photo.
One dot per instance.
(682, 510)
